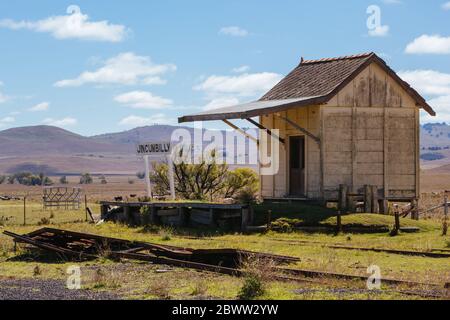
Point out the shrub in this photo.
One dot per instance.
(285, 225)
(192, 181)
(29, 179)
(86, 179)
(251, 288)
(140, 175)
(63, 180)
(2, 179)
(206, 180)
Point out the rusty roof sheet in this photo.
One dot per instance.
(250, 110)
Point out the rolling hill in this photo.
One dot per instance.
(57, 151)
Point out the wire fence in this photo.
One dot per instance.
(29, 209)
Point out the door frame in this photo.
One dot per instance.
(288, 166)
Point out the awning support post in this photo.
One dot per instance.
(269, 132)
(241, 131)
(301, 129)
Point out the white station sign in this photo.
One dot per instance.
(150, 149)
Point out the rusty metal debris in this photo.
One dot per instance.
(82, 246)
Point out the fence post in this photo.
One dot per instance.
(444, 223)
(342, 206)
(24, 210)
(85, 206)
(269, 218)
(338, 223)
(367, 199)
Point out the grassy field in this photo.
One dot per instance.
(137, 280)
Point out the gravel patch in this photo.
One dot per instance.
(34, 289)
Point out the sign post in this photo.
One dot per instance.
(147, 177)
(157, 149)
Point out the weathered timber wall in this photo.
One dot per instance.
(369, 134)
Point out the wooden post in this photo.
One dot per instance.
(415, 211)
(446, 206)
(86, 206)
(397, 220)
(351, 204)
(269, 218)
(375, 207)
(184, 216)
(103, 211)
(154, 218)
(342, 205)
(384, 206)
(245, 214)
(127, 215)
(338, 222)
(213, 218)
(25, 210)
(444, 223)
(367, 199)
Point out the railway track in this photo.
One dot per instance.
(82, 246)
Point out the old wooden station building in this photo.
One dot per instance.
(347, 122)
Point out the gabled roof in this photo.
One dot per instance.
(311, 82)
(325, 77)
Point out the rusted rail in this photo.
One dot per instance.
(428, 254)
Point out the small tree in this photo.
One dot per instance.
(86, 179)
(192, 181)
(11, 179)
(2, 179)
(63, 180)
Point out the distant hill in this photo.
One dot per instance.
(54, 150)
(57, 151)
(435, 146)
(48, 140)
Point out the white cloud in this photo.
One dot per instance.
(241, 69)
(380, 31)
(442, 107)
(434, 44)
(428, 81)
(125, 69)
(74, 25)
(234, 31)
(136, 121)
(435, 84)
(221, 103)
(3, 98)
(64, 122)
(44, 106)
(7, 120)
(241, 85)
(446, 6)
(143, 100)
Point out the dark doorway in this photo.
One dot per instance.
(297, 166)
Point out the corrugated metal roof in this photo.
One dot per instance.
(249, 110)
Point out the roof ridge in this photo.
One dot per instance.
(355, 56)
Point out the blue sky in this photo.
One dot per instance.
(104, 66)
